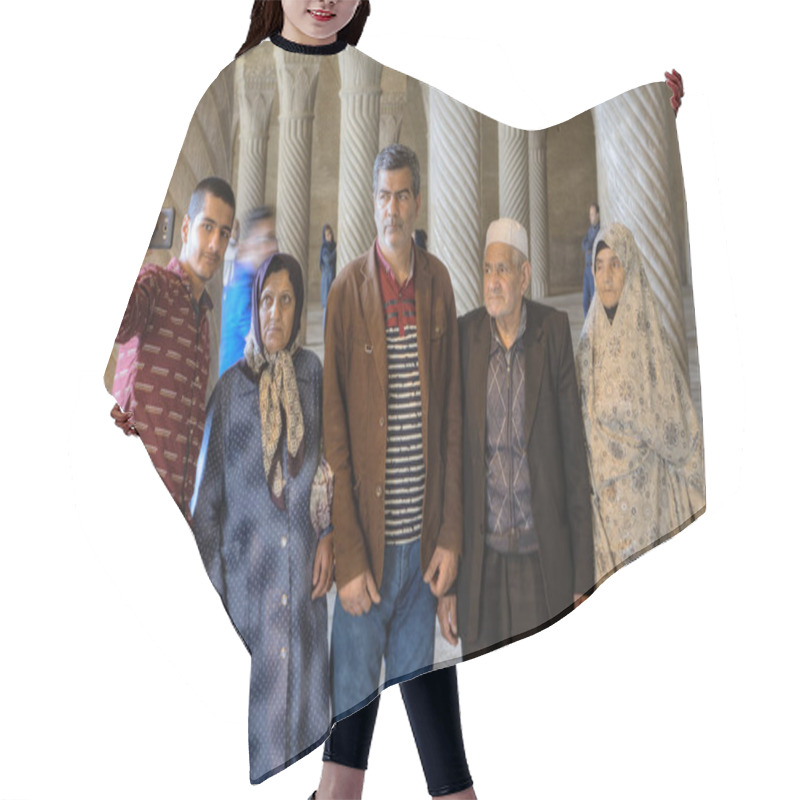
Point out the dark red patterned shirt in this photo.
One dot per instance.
(162, 372)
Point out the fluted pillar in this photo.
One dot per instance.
(631, 135)
(297, 83)
(454, 198)
(360, 126)
(256, 85)
(512, 151)
(678, 199)
(537, 171)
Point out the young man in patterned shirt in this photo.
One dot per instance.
(162, 367)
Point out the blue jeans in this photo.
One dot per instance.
(400, 629)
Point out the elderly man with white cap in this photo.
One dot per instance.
(528, 555)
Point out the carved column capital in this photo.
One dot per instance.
(359, 73)
(393, 106)
(298, 75)
(256, 87)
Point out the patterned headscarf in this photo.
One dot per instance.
(278, 397)
(645, 444)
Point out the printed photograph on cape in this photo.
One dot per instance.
(466, 442)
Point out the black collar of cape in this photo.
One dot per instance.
(310, 50)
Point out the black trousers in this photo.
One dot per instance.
(432, 706)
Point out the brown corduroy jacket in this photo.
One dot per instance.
(355, 408)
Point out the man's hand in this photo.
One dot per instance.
(124, 420)
(358, 595)
(322, 574)
(448, 618)
(675, 83)
(441, 571)
(578, 599)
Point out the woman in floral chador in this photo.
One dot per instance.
(644, 441)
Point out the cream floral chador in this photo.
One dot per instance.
(644, 442)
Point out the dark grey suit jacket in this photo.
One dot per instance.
(560, 484)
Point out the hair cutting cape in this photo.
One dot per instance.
(637, 382)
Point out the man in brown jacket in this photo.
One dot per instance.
(392, 428)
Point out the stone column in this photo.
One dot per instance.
(256, 85)
(454, 198)
(632, 141)
(360, 125)
(678, 200)
(207, 150)
(512, 150)
(540, 242)
(425, 92)
(393, 105)
(297, 83)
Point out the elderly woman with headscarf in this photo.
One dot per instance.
(644, 442)
(260, 515)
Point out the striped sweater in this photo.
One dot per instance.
(405, 467)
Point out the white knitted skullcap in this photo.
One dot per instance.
(508, 231)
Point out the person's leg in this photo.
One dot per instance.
(433, 711)
(351, 738)
(409, 642)
(494, 614)
(346, 755)
(357, 644)
(524, 590)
